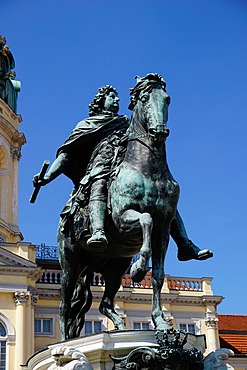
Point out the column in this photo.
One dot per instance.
(211, 325)
(15, 155)
(34, 300)
(21, 298)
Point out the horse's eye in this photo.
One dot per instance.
(144, 98)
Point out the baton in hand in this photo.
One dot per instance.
(41, 175)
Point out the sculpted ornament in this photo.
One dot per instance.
(21, 297)
(67, 358)
(211, 320)
(9, 87)
(169, 355)
(15, 152)
(217, 360)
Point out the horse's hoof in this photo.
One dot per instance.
(162, 325)
(137, 274)
(192, 252)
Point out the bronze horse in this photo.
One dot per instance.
(143, 199)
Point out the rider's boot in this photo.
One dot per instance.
(97, 211)
(187, 250)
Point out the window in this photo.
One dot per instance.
(43, 326)
(91, 327)
(141, 326)
(3, 335)
(189, 328)
(2, 330)
(2, 238)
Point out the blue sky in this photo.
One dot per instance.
(65, 50)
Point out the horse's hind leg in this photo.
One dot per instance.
(71, 267)
(112, 275)
(133, 219)
(68, 282)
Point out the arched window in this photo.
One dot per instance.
(3, 338)
(2, 238)
(3, 159)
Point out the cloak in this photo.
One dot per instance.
(87, 134)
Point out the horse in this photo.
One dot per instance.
(142, 198)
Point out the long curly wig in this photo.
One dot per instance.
(97, 104)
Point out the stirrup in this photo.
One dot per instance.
(98, 239)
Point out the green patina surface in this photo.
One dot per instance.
(9, 87)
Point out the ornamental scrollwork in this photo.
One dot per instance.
(21, 297)
(169, 355)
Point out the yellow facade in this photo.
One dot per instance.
(11, 141)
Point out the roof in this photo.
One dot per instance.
(233, 322)
(233, 332)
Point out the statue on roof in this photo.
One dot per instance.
(9, 87)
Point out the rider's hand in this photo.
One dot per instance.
(40, 182)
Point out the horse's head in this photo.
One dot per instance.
(150, 104)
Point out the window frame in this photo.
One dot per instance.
(94, 318)
(3, 344)
(141, 320)
(43, 317)
(196, 323)
(141, 325)
(3, 340)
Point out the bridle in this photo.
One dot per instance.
(139, 131)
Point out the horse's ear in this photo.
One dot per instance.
(132, 103)
(138, 79)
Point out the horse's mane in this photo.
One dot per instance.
(145, 84)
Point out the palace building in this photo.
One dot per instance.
(30, 275)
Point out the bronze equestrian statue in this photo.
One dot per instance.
(124, 202)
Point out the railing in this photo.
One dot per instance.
(46, 253)
(172, 283)
(51, 277)
(50, 253)
(126, 281)
(184, 284)
(54, 277)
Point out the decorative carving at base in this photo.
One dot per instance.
(169, 355)
(217, 360)
(68, 358)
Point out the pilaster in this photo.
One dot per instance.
(21, 298)
(212, 332)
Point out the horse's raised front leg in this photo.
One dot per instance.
(113, 277)
(130, 220)
(159, 246)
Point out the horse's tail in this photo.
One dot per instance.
(80, 304)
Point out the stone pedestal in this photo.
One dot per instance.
(98, 347)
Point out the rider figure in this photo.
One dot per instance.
(86, 158)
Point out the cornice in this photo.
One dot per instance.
(32, 273)
(9, 258)
(12, 133)
(7, 126)
(10, 113)
(50, 295)
(212, 299)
